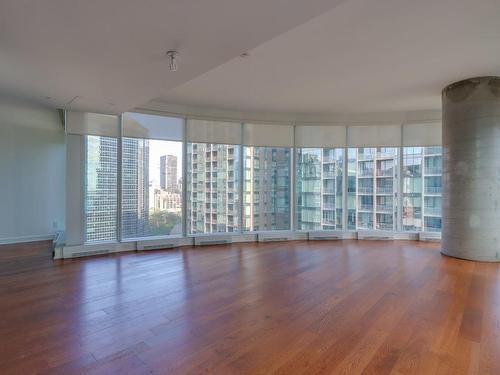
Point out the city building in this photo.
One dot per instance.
(319, 188)
(135, 187)
(100, 187)
(168, 173)
(212, 188)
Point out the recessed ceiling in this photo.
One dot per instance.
(109, 56)
(362, 56)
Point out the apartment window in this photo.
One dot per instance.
(151, 176)
(267, 188)
(212, 188)
(422, 188)
(319, 188)
(372, 188)
(100, 188)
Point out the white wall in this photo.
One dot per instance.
(32, 172)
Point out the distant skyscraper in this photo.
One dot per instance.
(168, 172)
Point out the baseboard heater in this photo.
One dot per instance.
(212, 240)
(375, 235)
(158, 244)
(79, 254)
(324, 235)
(275, 237)
(429, 236)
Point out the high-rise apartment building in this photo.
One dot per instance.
(372, 188)
(319, 188)
(168, 172)
(267, 188)
(422, 188)
(212, 188)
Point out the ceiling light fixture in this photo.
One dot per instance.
(173, 60)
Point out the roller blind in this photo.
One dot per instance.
(268, 135)
(221, 132)
(140, 125)
(320, 136)
(374, 136)
(422, 134)
(87, 123)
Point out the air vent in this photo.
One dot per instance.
(90, 252)
(275, 236)
(375, 235)
(212, 240)
(274, 239)
(429, 236)
(159, 247)
(324, 235)
(376, 238)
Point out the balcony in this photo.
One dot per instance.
(385, 226)
(384, 208)
(433, 171)
(433, 190)
(385, 190)
(365, 190)
(365, 173)
(386, 155)
(384, 173)
(365, 207)
(432, 211)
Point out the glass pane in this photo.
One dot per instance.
(100, 188)
(372, 188)
(151, 188)
(267, 188)
(422, 187)
(319, 188)
(212, 188)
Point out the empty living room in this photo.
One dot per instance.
(249, 187)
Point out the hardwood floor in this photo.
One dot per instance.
(340, 307)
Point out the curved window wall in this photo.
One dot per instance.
(159, 178)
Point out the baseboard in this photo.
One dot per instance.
(14, 240)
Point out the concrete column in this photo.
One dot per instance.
(471, 169)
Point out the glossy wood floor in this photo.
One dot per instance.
(344, 307)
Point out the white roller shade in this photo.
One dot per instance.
(87, 123)
(422, 134)
(221, 132)
(320, 136)
(374, 136)
(268, 135)
(140, 125)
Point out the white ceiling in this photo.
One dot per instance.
(315, 56)
(109, 56)
(362, 56)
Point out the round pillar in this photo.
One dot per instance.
(471, 169)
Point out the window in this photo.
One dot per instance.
(319, 188)
(151, 176)
(151, 188)
(372, 188)
(267, 188)
(422, 189)
(100, 188)
(212, 186)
